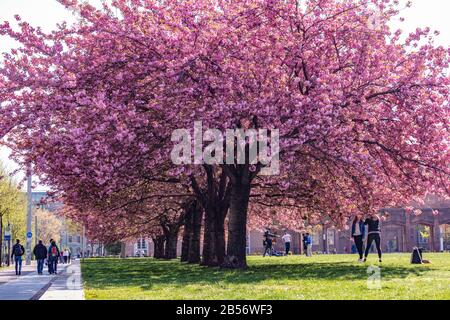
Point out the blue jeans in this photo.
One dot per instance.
(40, 265)
(287, 246)
(53, 263)
(18, 262)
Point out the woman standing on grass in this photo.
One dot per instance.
(358, 232)
(373, 234)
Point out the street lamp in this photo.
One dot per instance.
(8, 239)
(29, 218)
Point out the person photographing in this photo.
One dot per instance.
(373, 234)
(268, 242)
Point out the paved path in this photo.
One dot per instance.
(66, 285)
(8, 273)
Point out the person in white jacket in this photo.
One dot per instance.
(287, 242)
(66, 255)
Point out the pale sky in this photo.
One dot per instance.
(46, 13)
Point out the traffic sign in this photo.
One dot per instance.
(7, 237)
(29, 234)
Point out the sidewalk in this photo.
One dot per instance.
(8, 273)
(66, 285)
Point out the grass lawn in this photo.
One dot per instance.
(293, 277)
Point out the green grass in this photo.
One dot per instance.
(293, 277)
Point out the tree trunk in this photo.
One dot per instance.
(214, 199)
(220, 236)
(187, 234)
(214, 236)
(158, 243)
(194, 243)
(209, 245)
(170, 250)
(123, 246)
(237, 226)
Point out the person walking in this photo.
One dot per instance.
(53, 256)
(17, 252)
(66, 255)
(49, 266)
(358, 232)
(40, 252)
(70, 255)
(373, 234)
(268, 241)
(287, 242)
(308, 243)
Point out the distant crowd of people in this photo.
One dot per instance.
(358, 233)
(269, 239)
(49, 256)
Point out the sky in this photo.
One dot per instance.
(47, 13)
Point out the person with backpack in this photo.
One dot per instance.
(373, 234)
(358, 231)
(53, 256)
(40, 252)
(17, 252)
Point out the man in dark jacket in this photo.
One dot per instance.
(40, 252)
(17, 252)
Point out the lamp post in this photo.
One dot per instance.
(8, 238)
(29, 218)
(35, 229)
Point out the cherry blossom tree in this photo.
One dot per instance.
(362, 111)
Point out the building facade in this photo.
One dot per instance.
(144, 247)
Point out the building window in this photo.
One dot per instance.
(142, 244)
(330, 236)
(315, 238)
(140, 248)
(79, 239)
(70, 239)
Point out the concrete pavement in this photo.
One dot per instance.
(66, 285)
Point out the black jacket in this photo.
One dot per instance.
(14, 248)
(40, 251)
(374, 225)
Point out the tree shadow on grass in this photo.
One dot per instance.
(146, 273)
